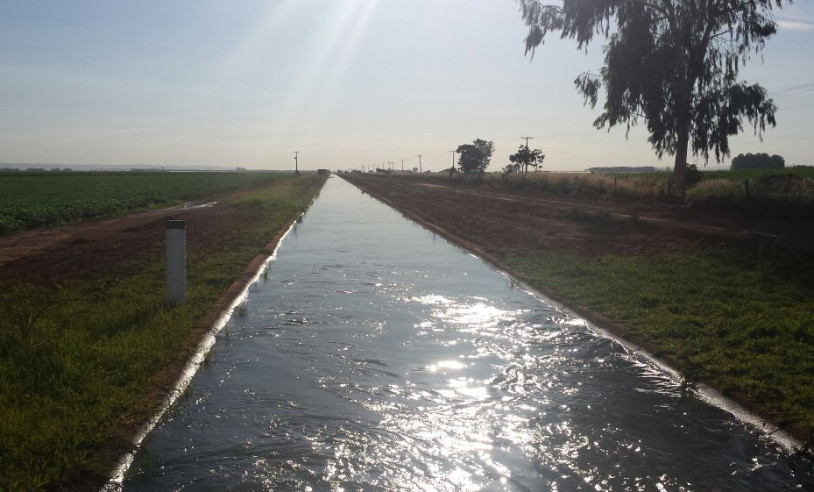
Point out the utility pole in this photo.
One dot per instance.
(402, 165)
(527, 140)
(296, 162)
(420, 169)
(390, 165)
(452, 169)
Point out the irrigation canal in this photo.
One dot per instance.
(377, 356)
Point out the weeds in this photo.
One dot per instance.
(242, 310)
(77, 360)
(737, 317)
(789, 186)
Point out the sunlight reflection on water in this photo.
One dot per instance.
(378, 357)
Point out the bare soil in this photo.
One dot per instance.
(492, 222)
(92, 249)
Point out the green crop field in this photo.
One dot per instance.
(35, 199)
(80, 358)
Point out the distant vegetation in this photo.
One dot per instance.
(475, 157)
(525, 158)
(35, 199)
(757, 161)
(763, 192)
(628, 169)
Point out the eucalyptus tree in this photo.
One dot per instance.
(672, 64)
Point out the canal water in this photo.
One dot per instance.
(377, 356)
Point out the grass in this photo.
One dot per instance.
(35, 199)
(793, 186)
(77, 360)
(639, 186)
(737, 317)
(767, 190)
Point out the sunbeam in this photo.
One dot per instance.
(324, 68)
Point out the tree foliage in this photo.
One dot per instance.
(475, 157)
(525, 157)
(672, 64)
(758, 161)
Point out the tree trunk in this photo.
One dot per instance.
(679, 171)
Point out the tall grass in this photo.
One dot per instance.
(630, 186)
(77, 359)
(794, 186)
(789, 186)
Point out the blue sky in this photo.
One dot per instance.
(345, 82)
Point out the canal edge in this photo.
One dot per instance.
(614, 331)
(213, 322)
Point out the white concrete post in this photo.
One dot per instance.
(176, 262)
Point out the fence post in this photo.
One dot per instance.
(176, 237)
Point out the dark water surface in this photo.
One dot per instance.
(379, 357)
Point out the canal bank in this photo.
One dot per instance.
(727, 309)
(88, 347)
(378, 355)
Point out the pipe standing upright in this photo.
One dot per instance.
(176, 262)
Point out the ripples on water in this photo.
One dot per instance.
(379, 357)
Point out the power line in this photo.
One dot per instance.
(793, 91)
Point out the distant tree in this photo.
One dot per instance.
(475, 157)
(511, 168)
(671, 63)
(758, 161)
(526, 157)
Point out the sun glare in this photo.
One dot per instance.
(323, 68)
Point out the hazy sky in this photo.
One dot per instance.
(345, 82)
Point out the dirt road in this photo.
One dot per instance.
(499, 221)
(91, 249)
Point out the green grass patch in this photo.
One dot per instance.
(36, 199)
(76, 359)
(739, 318)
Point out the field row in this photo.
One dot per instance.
(31, 200)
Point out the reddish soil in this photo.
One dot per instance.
(94, 248)
(493, 223)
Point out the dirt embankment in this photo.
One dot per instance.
(501, 222)
(497, 224)
(95, 251)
